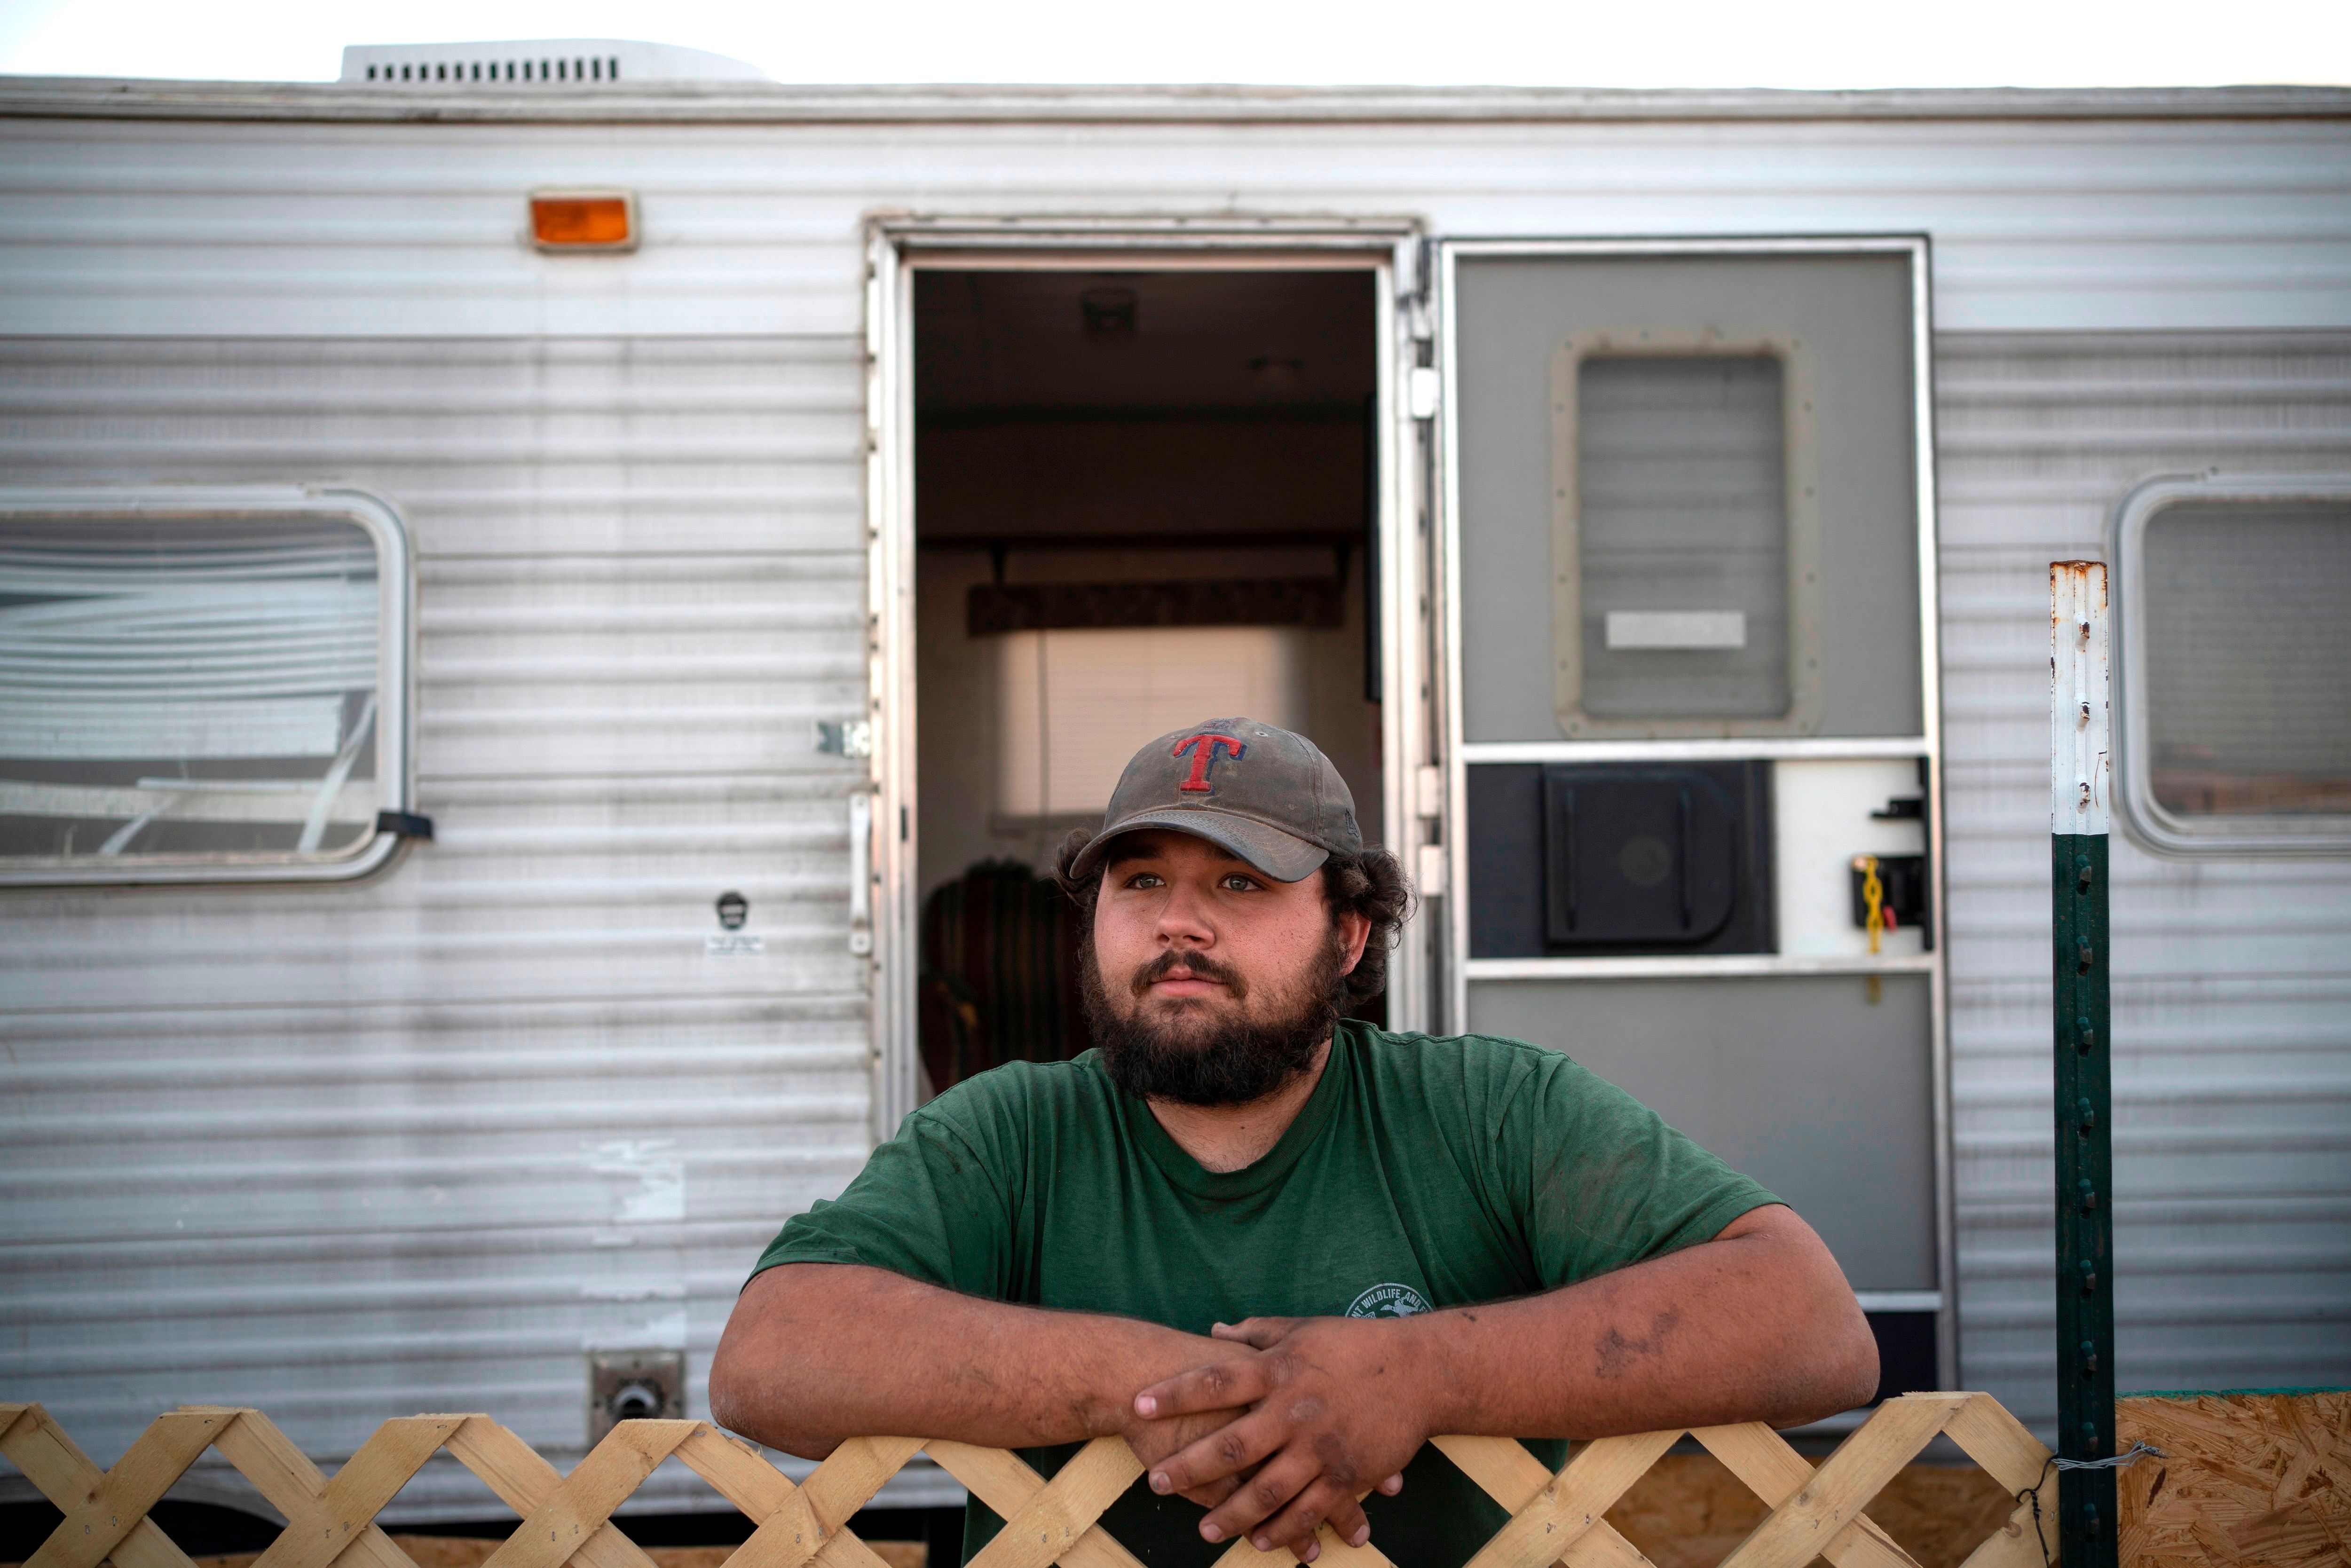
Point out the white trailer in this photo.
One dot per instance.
(635, 598)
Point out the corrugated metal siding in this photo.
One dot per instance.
(2232, 975)
(349, 1153)
(417, 229)
(309, 1115)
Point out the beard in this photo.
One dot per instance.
(1194, 1054)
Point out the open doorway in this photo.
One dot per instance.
(1143, 498)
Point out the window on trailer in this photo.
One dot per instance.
(1143, 500)
(198, 692)
(2238, 719)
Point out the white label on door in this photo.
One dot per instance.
(1677, 628)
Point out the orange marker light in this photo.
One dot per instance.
(583, 220)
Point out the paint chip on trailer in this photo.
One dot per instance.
(667, 1332)
(658, 1195)
(650, 1290)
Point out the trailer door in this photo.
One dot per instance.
(1691, 699)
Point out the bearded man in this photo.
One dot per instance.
(1276, 1252)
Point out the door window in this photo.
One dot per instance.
(1671, 533)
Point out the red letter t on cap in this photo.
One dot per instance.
(1203, 749)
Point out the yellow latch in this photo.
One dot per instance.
(1873, 894)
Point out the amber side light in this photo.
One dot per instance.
(581, 222)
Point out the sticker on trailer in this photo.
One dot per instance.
(734, 945)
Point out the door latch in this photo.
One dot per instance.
(860, 873)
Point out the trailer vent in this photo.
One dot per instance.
(544, 63)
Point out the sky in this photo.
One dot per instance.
(1560, 43)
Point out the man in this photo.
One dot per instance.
(1274, 1251)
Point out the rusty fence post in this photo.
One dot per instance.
(2081, 779)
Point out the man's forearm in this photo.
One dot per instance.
(817, 1353)
(1758, 1322)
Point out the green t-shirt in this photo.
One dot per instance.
(1420, 1174)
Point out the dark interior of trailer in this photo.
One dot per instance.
(1142, 499)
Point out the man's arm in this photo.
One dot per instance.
(1757, 1324)
(818, 1352)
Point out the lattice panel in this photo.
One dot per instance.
(567, 1520)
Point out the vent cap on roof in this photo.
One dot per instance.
(536, 62)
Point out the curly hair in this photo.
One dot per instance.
(1369, 882)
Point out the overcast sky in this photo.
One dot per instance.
(1584, 43)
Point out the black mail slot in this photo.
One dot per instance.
(1637, 858)
(1642, 855)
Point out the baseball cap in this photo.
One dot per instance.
(1267, 795)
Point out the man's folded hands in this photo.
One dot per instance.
(1276, 1442)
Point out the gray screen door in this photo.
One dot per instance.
(1693, 697)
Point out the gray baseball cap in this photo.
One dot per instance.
(1268, 795)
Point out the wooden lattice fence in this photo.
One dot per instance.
(567, 1520)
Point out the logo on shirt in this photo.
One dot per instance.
(1389, 1302)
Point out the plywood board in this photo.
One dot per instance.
(2245, 1479)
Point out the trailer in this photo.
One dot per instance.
(554, 596)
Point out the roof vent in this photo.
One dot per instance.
(535, 63)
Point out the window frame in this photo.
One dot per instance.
(395, 718)
(2148, 822)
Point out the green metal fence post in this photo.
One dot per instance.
(2080, 781)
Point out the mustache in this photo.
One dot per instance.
(1201, 966)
